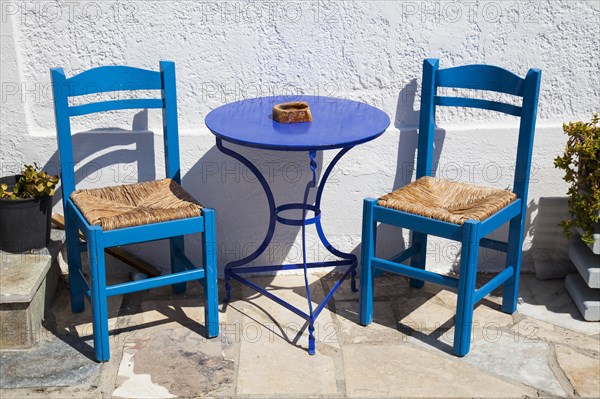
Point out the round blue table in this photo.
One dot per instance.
(337, 124)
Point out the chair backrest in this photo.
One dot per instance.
(480, 77)
(110, 79)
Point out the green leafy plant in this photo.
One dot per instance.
(581, 164)
(33, 182)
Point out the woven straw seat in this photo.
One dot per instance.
(135, 204)
(452, 202)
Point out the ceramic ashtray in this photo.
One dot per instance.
(292, 112)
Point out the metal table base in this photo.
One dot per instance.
(235, 270)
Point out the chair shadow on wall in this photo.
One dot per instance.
(126, 147)
(225, 184)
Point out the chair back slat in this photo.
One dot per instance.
(114, 105)
(478, 103)
(427, 119)
(170, 124)
(112, 78)
(63, 131)
(526, 133)
(480, 77)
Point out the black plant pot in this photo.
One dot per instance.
(24, 223)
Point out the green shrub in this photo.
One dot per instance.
(581, 164)
(33, 182)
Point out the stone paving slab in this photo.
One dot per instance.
(404, 371)
(533, 330)
(382, 329)
(263, 311)
(270, 365)
(431, 330)
(386, 286)
(51, 363)
(166, 353)
(549, 301)
(582, 371)
(174, 362)
(158, 347)
(517, 359)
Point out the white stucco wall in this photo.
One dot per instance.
(365, 50)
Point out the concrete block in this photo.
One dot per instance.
(586, 262)
(550, 246)
(587, 299)
(27, 285)
(594, 246)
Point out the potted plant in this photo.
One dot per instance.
(581, 164)
(26, 209)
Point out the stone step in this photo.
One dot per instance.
(586, 262)
(26, 291)
(587, 299)
(594, 246)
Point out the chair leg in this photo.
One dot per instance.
(510, 294)
(177, 246)
(419, 260)
(209, 283)
(99, 297)
(466, 288)
(74, 260)
(369, 227)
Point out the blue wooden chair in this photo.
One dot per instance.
(132, 213)
(454, 210)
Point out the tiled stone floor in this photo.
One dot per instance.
(158, 348)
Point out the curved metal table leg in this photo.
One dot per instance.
(312, 183)
(320, 231)
(271, 200)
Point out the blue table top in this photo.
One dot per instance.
(336, 123)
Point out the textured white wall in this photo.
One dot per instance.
(365, 50)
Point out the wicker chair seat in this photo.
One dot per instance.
(135, 204)
(452, 202)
